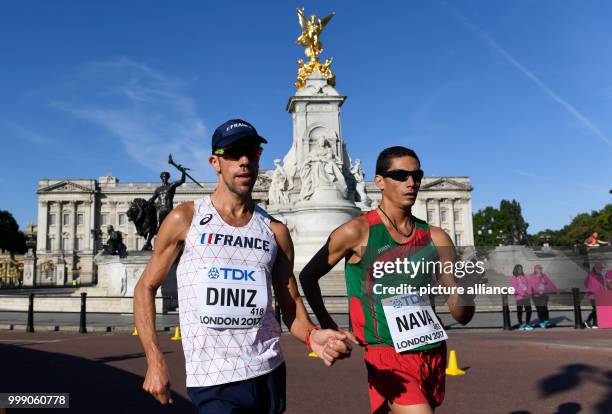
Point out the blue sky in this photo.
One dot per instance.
(517, 95)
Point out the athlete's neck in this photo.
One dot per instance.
(400, 216)
(233, 208)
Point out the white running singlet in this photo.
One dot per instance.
(225, 298)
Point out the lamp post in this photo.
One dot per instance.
(500, 237)
(486, 229)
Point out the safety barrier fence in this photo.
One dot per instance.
(499, 305)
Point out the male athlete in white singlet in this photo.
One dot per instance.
(232, 256)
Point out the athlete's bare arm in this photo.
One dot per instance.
(344, 242)
(328, 344)
(461, 311)
(168, 244)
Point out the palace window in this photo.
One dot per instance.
(77, 243)
(66, 219)
(443, 215)
(65, 243)
(457, 216)
(430, 216)
(51, 219)
(80, 218)
(121, 218)
(104, 219)
(458, 239)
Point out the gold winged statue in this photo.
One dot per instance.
(310, 39)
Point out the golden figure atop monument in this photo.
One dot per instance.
(310, 39)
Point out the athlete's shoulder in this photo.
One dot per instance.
(184, 210)
(353, 231)
(177, 223)
(439, 236)
(280, 229)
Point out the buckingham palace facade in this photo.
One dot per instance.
(72, 211)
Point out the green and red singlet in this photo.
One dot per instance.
(366, 311)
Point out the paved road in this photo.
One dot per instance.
(125, 322)
(558, 371)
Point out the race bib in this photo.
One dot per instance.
(231, 297)
(412, 322)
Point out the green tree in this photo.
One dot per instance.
(11, 239)
(581, 227)
(495, 225)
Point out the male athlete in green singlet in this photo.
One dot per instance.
(405, 349)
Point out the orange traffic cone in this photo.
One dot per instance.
(177, 334)
(453, 367)
(135, 332)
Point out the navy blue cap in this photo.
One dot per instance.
(235, 130)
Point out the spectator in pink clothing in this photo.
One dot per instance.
(522, 295)
(594, 282)
(541, 286)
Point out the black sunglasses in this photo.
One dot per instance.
(235, 153)
(402, 175)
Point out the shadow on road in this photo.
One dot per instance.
(94, 387)
(572, 376)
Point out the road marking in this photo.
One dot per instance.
(33, 341)
(48, 341)
(569, 346)
(518, 341)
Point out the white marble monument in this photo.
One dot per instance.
(315, 189)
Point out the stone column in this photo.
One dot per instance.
(87, 225)
(113, 214)
(92, 222)
(452, 218)
(70, 275)
(43, 228)
(74, 224)
(60, 226)
(60, 271)
(468, 225)
(29, 269)
(439, 213)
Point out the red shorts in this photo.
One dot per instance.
(406, 378)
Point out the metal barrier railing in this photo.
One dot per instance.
(83, 309)
(576, 296)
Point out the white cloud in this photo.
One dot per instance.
(150, 113)
(530, 75)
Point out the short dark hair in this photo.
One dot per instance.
(164, 173)
(384, 158)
